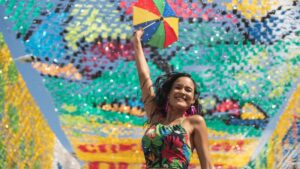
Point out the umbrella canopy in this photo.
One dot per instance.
(158, 20)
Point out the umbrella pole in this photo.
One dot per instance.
(160, 19)
(149, 25)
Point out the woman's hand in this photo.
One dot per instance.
(137, 36)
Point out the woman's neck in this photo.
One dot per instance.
(172, 115)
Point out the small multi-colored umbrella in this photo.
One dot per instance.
(158, 20)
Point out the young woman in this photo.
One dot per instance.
(175, 129)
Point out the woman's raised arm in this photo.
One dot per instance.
(144, 74)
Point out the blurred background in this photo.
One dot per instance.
(69, 89)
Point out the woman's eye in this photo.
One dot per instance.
(188, 90)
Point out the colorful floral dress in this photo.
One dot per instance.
(166, 147)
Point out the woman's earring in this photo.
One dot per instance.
(192, 110)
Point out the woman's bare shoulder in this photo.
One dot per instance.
(196, 119)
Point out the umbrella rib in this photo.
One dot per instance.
(160, 19)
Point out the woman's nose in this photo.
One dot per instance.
(183, 92)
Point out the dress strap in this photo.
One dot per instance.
(182, 120)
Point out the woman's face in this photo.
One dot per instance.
(182, 92)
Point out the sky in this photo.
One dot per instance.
(33, 81)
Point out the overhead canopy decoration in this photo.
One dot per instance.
(244, 55)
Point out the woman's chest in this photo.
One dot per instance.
(167, 135)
